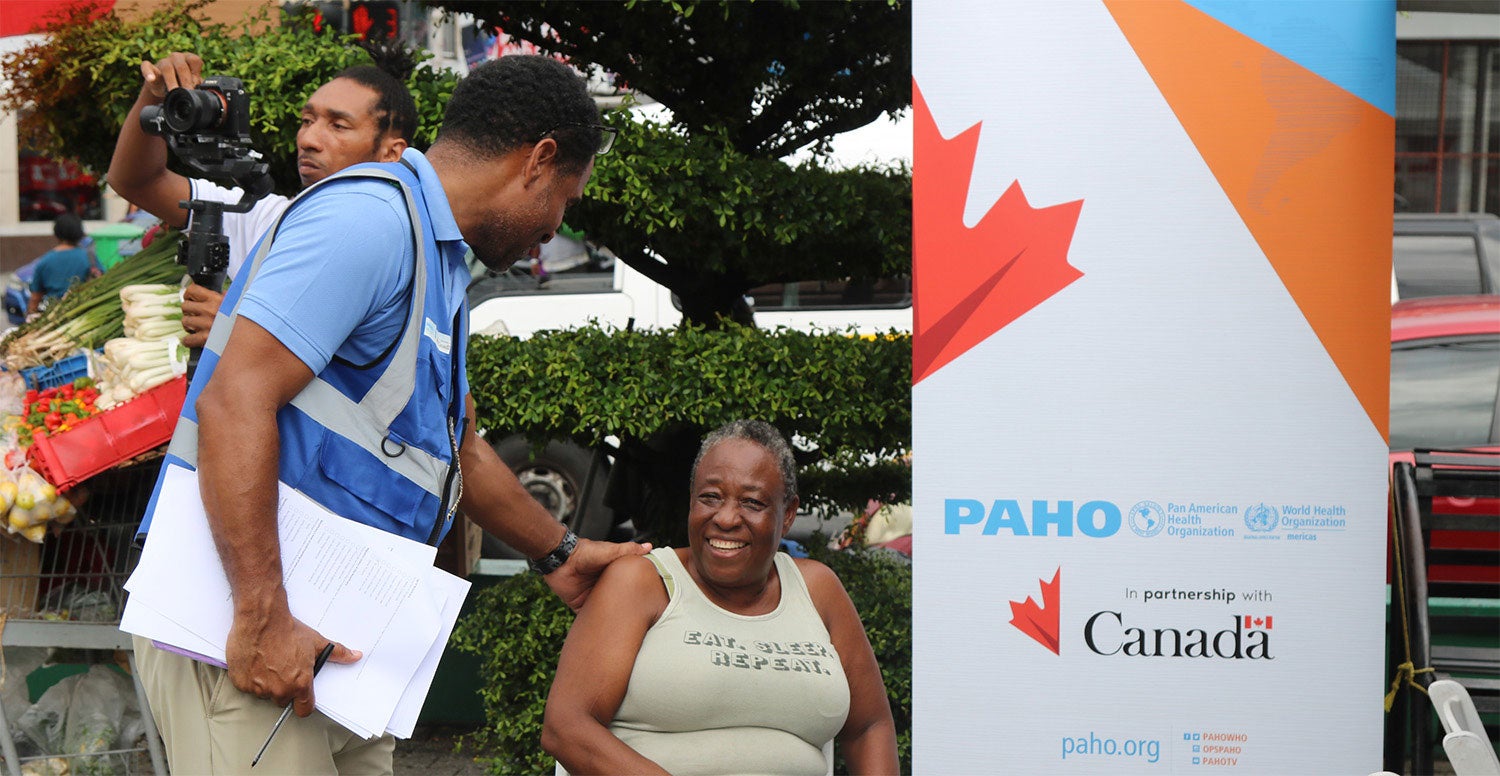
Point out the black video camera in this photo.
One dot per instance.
(219, 105)
(208, 130)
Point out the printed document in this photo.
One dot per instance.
(362, 587)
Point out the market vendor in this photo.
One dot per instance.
(362, 115)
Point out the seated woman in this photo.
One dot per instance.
(726, 656)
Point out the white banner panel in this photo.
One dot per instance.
(1152, 248)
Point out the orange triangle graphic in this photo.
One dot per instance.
(1306, 164)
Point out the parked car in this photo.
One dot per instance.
(1445, 372)
(1445, 380)
(1443, 254)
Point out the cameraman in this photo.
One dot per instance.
(362, 115)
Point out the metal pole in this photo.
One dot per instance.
(153, 738)
(1418, 626)
(8, 746)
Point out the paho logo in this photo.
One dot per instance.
(1096, 519)
(1040, 621)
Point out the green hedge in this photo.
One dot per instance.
(517, 629)
(848, 395)
(880, 586)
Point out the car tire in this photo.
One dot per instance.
(555, 476)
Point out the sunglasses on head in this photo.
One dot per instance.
(606, 135)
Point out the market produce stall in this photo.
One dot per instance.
(89, 396)
(67, 592)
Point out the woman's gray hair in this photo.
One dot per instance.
(763, 434)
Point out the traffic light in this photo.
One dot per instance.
(366, 18)
(375, 18)
(327, 15)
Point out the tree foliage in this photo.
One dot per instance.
(773, 75)
(516, 628)
(726, 223)
(76, 86)
(704, 206)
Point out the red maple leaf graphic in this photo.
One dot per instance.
(972, 282)
(1041, 622)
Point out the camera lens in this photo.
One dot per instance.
(192, 110)
(152, 122)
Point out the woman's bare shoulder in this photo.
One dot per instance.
(631, 571)
(632, 580)
(821, 580)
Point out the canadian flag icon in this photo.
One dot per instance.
(1252, 622)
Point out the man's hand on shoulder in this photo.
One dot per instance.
(574, 580)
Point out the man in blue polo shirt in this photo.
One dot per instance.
(337, 366)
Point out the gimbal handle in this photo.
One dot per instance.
(205, 252)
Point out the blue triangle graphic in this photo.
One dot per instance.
(1351, 43)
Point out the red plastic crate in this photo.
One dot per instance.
(111, 437)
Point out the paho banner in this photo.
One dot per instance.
(1152, 248)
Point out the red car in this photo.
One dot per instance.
(1445, 390)
(1445, 372)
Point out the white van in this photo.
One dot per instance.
(578, 284)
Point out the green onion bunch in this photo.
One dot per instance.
(89, 314)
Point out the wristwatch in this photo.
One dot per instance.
(554, 560)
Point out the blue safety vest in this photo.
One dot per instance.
(377, 443)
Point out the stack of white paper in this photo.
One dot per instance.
(362, 587)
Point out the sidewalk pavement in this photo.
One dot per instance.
(430, 752)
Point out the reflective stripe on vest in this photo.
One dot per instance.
(367, 422)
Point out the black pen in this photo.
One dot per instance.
(287, 712)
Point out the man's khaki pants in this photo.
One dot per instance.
(210, 727)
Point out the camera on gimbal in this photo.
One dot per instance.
(219, 105)
(208, 129)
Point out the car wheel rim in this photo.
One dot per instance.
(553, 491)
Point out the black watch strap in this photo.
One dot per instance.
(554, 560)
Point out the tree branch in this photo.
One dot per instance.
(659, 272)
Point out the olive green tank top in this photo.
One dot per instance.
(714, 692)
